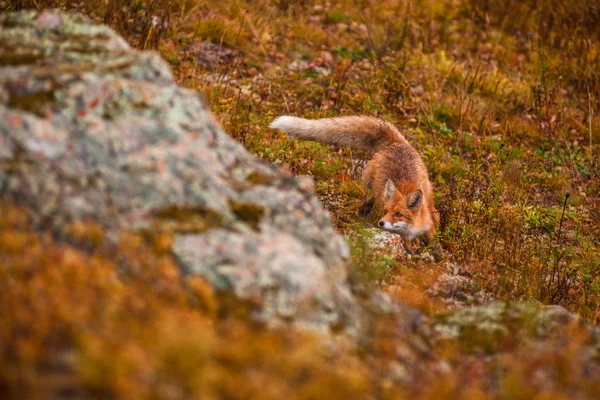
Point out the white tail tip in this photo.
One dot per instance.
(284, 123)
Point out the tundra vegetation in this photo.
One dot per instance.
(500, 98)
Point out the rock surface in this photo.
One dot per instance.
(543, 346)
(496, 321)
(450, 284)
(211, 55)
(93, 130)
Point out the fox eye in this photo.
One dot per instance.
(398, 215)
(385, 211)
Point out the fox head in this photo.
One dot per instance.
(401, 209)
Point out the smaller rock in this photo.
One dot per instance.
(326, 57)
(212, 55)
(298, 65)
(342, 27)
(418, 90)
(456, 288)
(387, 243)
(253, 71)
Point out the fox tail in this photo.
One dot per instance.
(358, 132)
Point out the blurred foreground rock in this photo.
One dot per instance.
(93, 130)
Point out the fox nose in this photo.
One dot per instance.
(381, 223)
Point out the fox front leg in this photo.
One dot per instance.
(430, 234)
(366, 208)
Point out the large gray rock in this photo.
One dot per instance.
(93, 130)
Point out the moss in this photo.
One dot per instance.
(33, 102)
(257, 178)
(11, 58)
(250, 213)
(87, 49)
(82, 38)
(336, 16)
(185, 220)
(85, 234)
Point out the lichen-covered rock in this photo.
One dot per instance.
(260, 266)
(93, 130)
(455, 287)
(488, 327)
(508, 346)
(449, 284)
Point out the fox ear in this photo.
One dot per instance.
(415, 199)
(390, 190)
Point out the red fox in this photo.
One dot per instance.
(395, 175)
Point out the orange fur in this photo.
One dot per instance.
(396, 174)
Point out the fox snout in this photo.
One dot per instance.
(390, 226)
